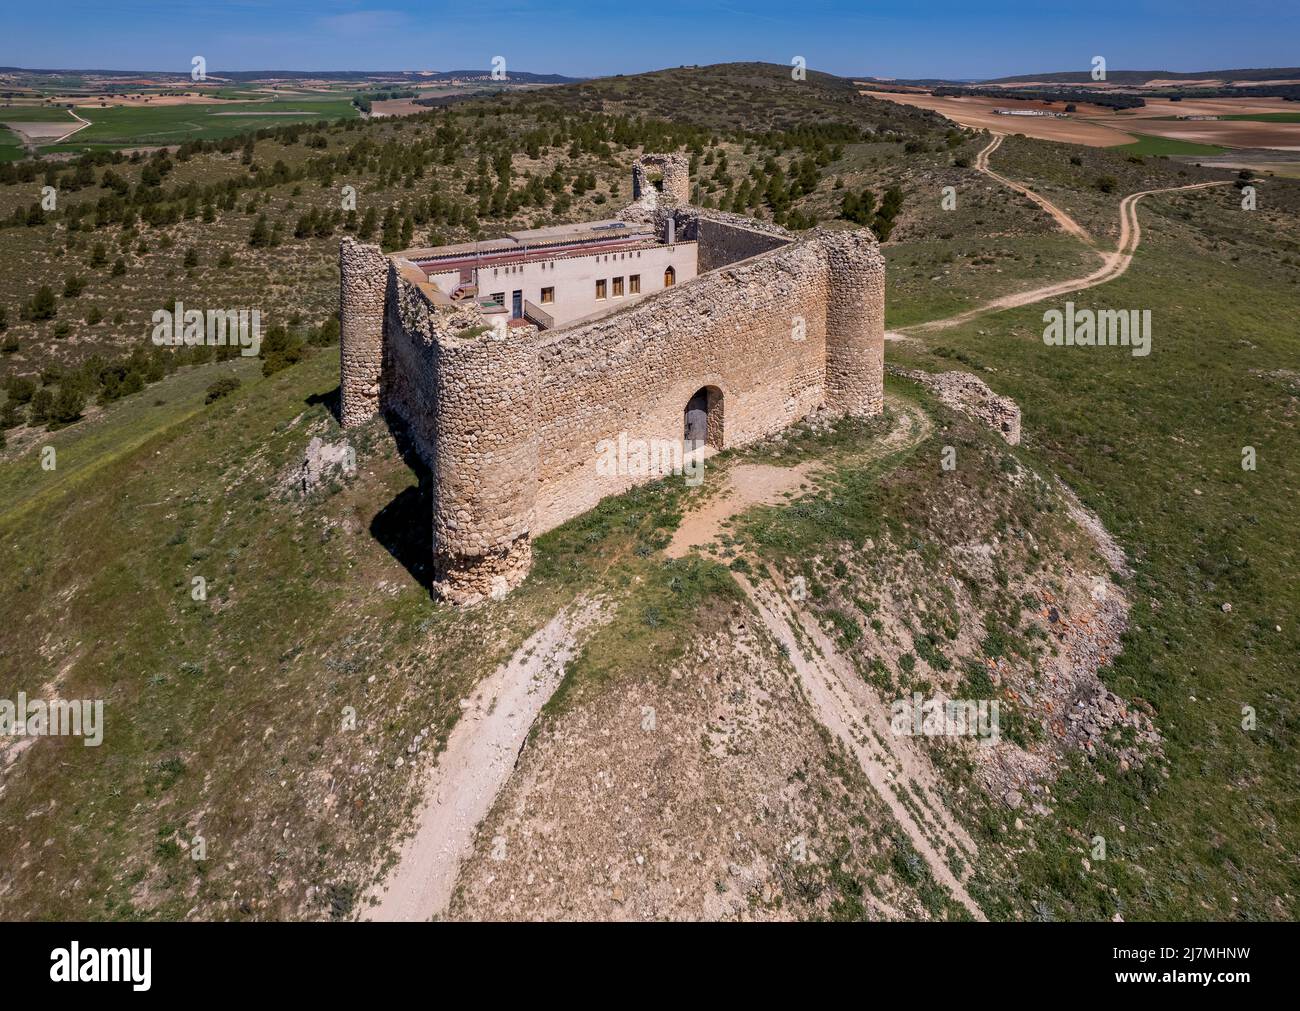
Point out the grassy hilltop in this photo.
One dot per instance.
(225, 713)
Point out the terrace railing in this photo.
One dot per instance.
(543, 319)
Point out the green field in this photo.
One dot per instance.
(1148, 145)
(1269, 117)
(11, 148)
(35, 114)
(176, 124)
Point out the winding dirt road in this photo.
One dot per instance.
(1067, 223)
(1113, 264)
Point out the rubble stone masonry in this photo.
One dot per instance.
(510, 421)
(363, 273)
(675, 179)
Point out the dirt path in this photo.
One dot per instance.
(745, 485)
(1113, 264)
(852, 710)
(80, 119)
(1067, 223)
(480, 755)
(755, 484)
(842, 702)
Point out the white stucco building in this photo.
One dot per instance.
(556, 276)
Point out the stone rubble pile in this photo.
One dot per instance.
(971, 395)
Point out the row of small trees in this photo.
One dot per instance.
(60, 394)
(861, 209)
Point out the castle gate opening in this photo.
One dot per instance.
(703, 418)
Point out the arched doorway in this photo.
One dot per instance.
(670, 277)
(703, 418)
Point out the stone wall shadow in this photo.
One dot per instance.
(333, 401)
(405, 526)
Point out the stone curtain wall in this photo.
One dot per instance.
(510, 421)
(409, 387)
(723, 242)
(735, 329)
(363, 281)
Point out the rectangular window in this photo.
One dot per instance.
(548, 296)
(618, 287)
(634, 284)
(600, 290)
(499, 297)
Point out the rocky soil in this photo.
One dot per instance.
(713, 794)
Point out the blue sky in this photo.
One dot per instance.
(915, 39)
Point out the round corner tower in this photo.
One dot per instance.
(485, 463)
(855, 322)
(363, 285)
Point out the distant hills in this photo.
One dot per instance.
(1257, 82)
(1146, 76)
(405, 76)
(1119, 77)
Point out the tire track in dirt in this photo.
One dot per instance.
(842, 702)
(853, 711)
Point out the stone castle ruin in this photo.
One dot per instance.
(510, 360)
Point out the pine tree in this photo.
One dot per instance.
(43, 305)
(368, 223)
(392, 237)
(68, 405)
(260, 236)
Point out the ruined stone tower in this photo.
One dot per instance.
(661, 178)
(512, 361)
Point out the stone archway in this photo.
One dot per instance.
(703, 418)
